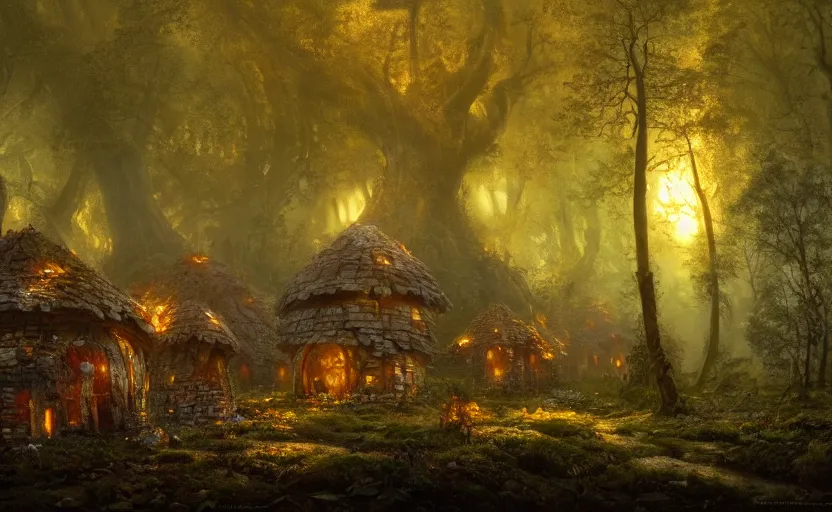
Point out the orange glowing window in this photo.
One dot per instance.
(48, 422)
(172, 379)
(381, 259)
(463, 341)
(198, 258)
(618, 363)
(28, 350)
(415, 315)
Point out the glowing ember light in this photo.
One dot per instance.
(498, 372)
(463, 341)
(497, 330)
(415, 315)
(281, 373)
(382, 260)
(249, 300)
(618, 363)
(198, 258)
(369, 380)
(489, 355)
(48, 417)
(212, 318)
(548, 356)
(172, 378)
(402, 247)
(170, 411)
(541, 319)
(51, 270)
(159, 320)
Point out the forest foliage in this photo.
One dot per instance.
(497, 140)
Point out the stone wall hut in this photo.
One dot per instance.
(72, 346)
(504, 351)
(247, 315)
(189, 378)
(359, 317)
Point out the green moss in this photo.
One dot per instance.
(560, 428)
(815, 465)
(174, 457)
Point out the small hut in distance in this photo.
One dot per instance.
(189, 377)
(72, 346)
(507, 352)
(204, 280)
(359, 317)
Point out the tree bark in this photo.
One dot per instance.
(659, 363)
(416, 203)
(4, 201)
(63, 209)
(824, 346)
(141, 235)
(713, 339)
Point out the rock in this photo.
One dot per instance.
(178, 507)
(202, 495)
(513, 486)
(121, 505)
(652, 497)
(158, 500)
(175, 442)
(68, 503)
(452, 465)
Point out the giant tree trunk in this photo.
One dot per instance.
(713, 339)
(416, 203)
(141, 235)
(658, 361)
(69, 200)
(4, 200)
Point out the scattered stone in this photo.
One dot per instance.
(68, 503)
(452, 464)
(652, 497)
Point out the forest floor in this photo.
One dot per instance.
(564, 451)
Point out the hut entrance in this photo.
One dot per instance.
(497, 362)
(325, 370)
(87, 395)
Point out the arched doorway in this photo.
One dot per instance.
(325, 370)
(497, 363)
(99, 400)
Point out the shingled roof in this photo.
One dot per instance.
(37, 274)
(193, 320)
(382, 331)
(198, 278)
(364, 260)
(498, 325)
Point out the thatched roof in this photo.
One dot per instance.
(192, 320)
(364, 260)
(387, 330)
(498, 325)
(37, 274)
(198, 278)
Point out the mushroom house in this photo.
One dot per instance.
(189, 376)
(72, 345)
(506, 352)
(359, 317)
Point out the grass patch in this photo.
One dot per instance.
(174, 457)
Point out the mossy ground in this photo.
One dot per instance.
(526, 453)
